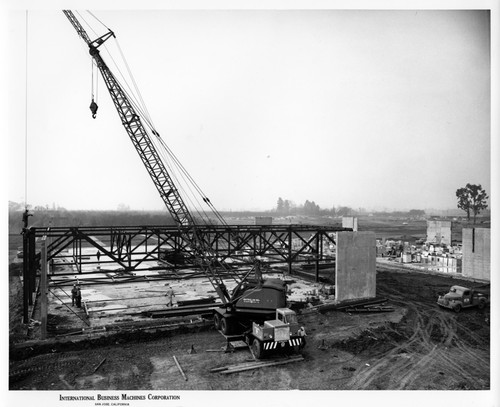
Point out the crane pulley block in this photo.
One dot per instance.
(93, 108)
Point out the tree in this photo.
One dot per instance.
(473, 199)
(280, 205)
(344, 211)
(287, 206)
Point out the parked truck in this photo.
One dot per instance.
(463, 297)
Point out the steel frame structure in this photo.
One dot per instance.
(131, 247)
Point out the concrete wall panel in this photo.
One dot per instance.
(350, 222)
(476, 253)
(355, 271)
(439, 231)
(263, 220)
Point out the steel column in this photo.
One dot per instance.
(43, 290)
(26, 280)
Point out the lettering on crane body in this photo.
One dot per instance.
(251, 300)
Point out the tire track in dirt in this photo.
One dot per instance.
(449, 366)
(387, 364)
(416, 369)
(416, 349)
(433, 333)
(447, 325)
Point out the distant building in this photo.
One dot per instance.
(263, 220)
(350, 222)
(439, 232)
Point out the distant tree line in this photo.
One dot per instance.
(285, 207)
(45, 217)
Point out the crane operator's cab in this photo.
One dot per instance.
(260, 297)
(251, 301)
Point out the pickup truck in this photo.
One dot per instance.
(462, 297)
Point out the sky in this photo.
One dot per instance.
(375, 109)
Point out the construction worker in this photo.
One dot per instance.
(73, 294)
(98, 260)
(170, 294)
(258, 271)
(26, 215)
(78, 297)
(302, 333)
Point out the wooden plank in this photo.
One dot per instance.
(259, 365)
(239, 344)
(254, 365)
(180, 368)
(99, 365)
(249, 363)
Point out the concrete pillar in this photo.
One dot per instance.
(476, 253)
(355, 267)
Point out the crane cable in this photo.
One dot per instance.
(134, 83)
(188, 179)
(185, 187)
(92, 79)
(104, 25)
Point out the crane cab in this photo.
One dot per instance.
(261, 298)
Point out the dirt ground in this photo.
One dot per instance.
(419, 346)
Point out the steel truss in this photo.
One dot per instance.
(132, 247)
(125, 249)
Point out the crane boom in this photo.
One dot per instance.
(144, 146)
(136, 131)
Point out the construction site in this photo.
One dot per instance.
(202, 304)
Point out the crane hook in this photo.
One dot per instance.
(93, 108)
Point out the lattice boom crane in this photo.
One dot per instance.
(144, 146)
(136, 130)
(251, 301)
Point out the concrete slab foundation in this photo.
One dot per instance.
(355, 271)
(114, 302)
